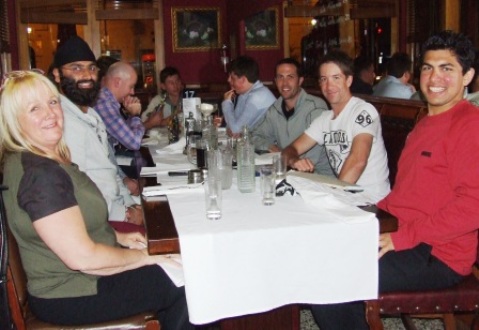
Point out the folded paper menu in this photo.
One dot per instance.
(325, 179)
(189, 106)
(173, 267)
(149, 171)
(172, 189)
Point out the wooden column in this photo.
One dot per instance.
(452, 14)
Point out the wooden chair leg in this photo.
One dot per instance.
(408, 322)
(372, 315)
(449, 321)
(475, 322)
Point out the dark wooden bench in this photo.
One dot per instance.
(398, 118)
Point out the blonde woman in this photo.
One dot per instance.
(76, 267)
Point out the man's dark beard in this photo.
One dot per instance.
(79, 96)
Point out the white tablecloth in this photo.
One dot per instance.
(257, 258)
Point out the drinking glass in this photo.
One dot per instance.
(225, 167)
(212, 162)
(213, 196)
(268, 184)
(201, 146)
(279, 163)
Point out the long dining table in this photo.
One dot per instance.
(256, 266)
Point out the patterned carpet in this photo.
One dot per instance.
(307, 323)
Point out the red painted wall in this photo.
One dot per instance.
(205, 67)
(237, 12)
(199, 67)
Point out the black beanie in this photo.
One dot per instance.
(74, 49)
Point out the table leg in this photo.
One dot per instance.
(283, 318)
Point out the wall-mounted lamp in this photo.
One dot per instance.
(224, 57)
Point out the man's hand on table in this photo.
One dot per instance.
(131, 240)
(134, 215)
(385, 244)
(230, 133)
(274, 148)
(303, 165)
(132, 185)
(154, 120)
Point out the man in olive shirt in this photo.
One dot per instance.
(290, 115)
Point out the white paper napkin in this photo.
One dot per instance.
(149, 141)
(173, 267)
(341, 204)
(174, 147)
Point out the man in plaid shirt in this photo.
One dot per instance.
(118, 88)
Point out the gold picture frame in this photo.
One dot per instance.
(262, 30)
(195, 29)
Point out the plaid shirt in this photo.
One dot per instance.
(128, 132)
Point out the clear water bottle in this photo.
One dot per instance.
(210, 133)
(245, 160)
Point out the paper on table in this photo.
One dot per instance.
(173, 267)
(265, 159)
(172, 162)
(149, 142)
(172, 189)
(171, 180)
(328, 180)
(174, 147)
(149, 171)
(123, 160)
(189, 106)
(332, 198)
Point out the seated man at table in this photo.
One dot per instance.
(169, 100)
(119, 86)
(364, 76)
(75, 73)
(351, 132)
(290, 115)
(436, 191)
(248, 100)
(396, 83)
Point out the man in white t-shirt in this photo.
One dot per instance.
(351, 132)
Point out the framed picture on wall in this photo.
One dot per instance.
(195, 28)
(262, 30)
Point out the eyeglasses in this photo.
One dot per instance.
(77, 68)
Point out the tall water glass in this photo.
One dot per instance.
(225, 167)
(280, 167)
(213, 197)
(212, 162)
(268, 184)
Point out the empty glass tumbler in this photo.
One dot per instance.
(213, 197)
(268, 184)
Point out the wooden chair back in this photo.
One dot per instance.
(24, 319)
